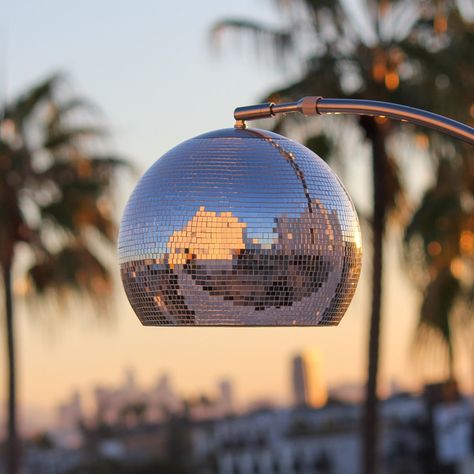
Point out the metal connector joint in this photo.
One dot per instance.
(309, 105)
(253, 112)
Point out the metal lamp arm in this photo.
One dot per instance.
(318, 106)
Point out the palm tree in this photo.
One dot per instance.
(439, 249)
(437, 238)
(389, 50)
(55, 205)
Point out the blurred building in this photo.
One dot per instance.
(305, 440)
(290, 441)
(419, 434)
(162, 400)
(226, 397)
(351, 392)
(309, 388)
(299, 440)
(70, 412)
(70, 417)
(449, 425)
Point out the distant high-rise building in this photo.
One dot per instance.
(309, 388)
(164, 395)
(130, 379)
(226, 396)
(70, 412)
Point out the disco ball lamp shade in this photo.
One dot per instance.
(240, 227)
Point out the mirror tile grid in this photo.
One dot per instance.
(240, 227)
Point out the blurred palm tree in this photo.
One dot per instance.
(400, 51)
(55, 205)
(437, 243)
(439, 251)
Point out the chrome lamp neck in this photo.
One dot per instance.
(317, 105)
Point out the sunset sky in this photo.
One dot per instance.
(150, 69)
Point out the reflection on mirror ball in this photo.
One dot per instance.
(240, 227)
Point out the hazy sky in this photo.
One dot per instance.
(149, 67)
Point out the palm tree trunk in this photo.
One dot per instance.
(12, 438)
(370, 420)
(451, 370)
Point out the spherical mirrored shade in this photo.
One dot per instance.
(240, 227)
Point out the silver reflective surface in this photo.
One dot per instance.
(240, 227)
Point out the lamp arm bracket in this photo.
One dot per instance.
(317, 105)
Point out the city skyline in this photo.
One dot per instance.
(139, 99)
(86, 399)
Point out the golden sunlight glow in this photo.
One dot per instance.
(434, 248)
(21, 286)
(440, 24)
(466, 242)
(7, 130)
(378, 71)
(392, 80)
(457, 267)
(422, 141)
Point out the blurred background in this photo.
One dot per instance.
(91, 94)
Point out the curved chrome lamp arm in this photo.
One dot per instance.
(318, 106)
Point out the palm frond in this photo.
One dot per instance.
(59, 112)
(81, 204)
(438, 220)
(70, 136)
(436, 312)
(67, 171)
(279, 41)
(73, 269)
(27, 103)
